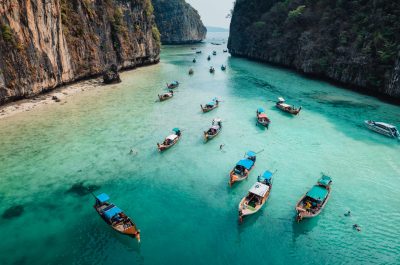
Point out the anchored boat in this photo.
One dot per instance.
(223, 67)
(210, 106)
(214, 52)
(115, 217)
(212, 70)
(314, 201)
(166, 96)
(257, 196)
(194, 60)
(208, 58)
(214, 130)
(170, 140)
(383, 128)
(191, 72)
(286, 107)
(173, 85)
(262, 118)
(243, 168)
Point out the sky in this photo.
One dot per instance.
(213, 12)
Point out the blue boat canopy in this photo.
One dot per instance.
(251, 154)
(102, 198)
(246, 163)
(212, 103)
(215, 99)
(260, 110)
(317, 193)
(112, 212)
(176, 130)
(325, 180)
(267, 175)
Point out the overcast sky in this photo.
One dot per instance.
(213, 12)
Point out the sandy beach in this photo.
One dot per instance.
(56, 96)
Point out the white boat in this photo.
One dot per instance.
(383, 128)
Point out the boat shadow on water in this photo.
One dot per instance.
(304, 227)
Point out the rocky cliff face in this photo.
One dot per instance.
(178, 22)
(353, 42)
(44, 44)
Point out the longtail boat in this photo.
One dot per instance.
(191, 71)
(210, 106)
(115, 217)
(166, 96)
(383, 128)
(214, 130)
(198, 52)
(194, 60)
(170, 140)
(212, 70)
(173, 85)
(313, 202)
(286, 107)
(223, 67)
(262, 118)
(225, 50)
(243, 168)
(208, 58)
(257, 196)
(214, 52)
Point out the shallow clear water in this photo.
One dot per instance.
(180, 199)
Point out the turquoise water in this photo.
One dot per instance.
(180, 199)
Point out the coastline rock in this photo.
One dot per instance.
(111, 76)
(178, 22)
(45, 44)
(355, 43)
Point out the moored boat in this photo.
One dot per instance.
(208, 58)
(286, 107)
(194, 60)
(198, 52)
(191, 71)
(242, 168)
(225, 50)
(214, 52)
(223, 67)
(210, 106)
(313, 202)
(212, 70)
(115, 217)
(166, 96)
(214, 130)
(257, 196)
(170, 140)
(173, 85)
(262, 118)
(383, 128)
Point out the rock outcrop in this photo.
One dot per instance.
(45, 44)
(353, 42)
(178, 22)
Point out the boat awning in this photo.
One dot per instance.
(263, 115)
(176, 130)
(215, 127)
(246, 163)
(259, 189)
(325, 180)
(102, 198)
(267, 175)
(260, 110)
(251, 154)
(317, 193)
(285, 105)
(112, 212)
(172, 137)
(281, 99)
(211, 103)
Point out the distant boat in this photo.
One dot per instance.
(212, 70)
(173, 85)
(214, 130)
(115, 217)
(262, 118)
(383, 128)
(194, 60)
(214, 52)
(287, 108)
(210, 106)
(209, 57)
(314, 201)
(225, 50)
(170, 140)
(215, 43)
(198, 52)
(223, 67)
(166, 96)
(257, 196)
(243, 168)
(191, 71)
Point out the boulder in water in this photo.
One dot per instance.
(111, 76)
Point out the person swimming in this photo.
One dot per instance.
(357, 227)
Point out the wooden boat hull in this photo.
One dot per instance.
(162, 147)
(205, 110)
(288, 110)
(303, 213)
(208, 137)
(161, 98)
(233, 177)
(245, 210)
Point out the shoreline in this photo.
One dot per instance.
(61, 93)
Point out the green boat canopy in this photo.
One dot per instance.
(175, 130)
(318, 193)
(325, 180)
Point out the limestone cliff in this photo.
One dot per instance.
(178, 22)
(44, 44)
(356, 43)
